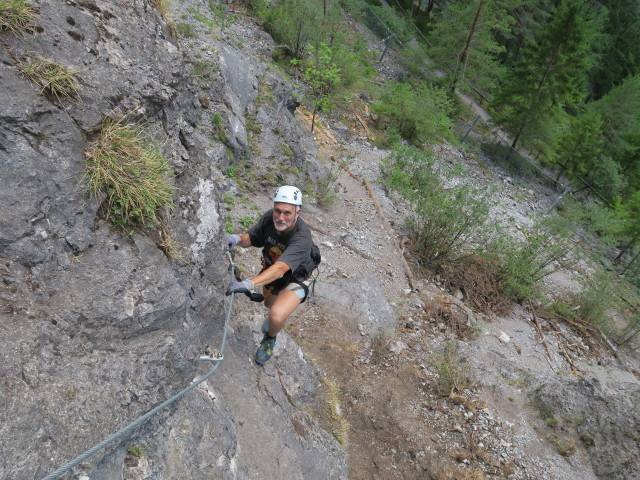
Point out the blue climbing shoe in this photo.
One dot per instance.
(267, 345)
(265, 326)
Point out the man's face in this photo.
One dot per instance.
(284, 216)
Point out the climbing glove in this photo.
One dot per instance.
(245, 286)
(231, 240)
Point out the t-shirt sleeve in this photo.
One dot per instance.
(256, 233)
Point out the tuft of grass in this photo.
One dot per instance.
(452, 375)
(340, 424)
(16, 15)
(57, 81)
(565, 447)
(135, 450)
(185, 30)
(218, 127)
(246, 222)
(125, 164)
(163, 7)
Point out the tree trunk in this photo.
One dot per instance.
(630, 263)
(429, 7)
(628, 246)
(313, 119)
(464, 55)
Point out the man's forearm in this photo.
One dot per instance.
(245, 240)
(271, 274)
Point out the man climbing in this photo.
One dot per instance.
(287, 263)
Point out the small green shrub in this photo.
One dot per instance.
(247, 222)
(447, 219)
(523, 262)
(232, 171)
(16, 15)
(186, 30)
(218, 127)
(287, 151)
(57, 81)
(204, 71)
(324, 190)
(452, 375)
(124, 163)
(223, 17)
(420, 112)
(135, 450)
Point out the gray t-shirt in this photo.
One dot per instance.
(293, 248)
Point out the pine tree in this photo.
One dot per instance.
(580, 145)
(550, 77)
(464, 45)
(619, 52)
(620, 111)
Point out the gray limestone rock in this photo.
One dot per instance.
(603, 418)
(98, 328)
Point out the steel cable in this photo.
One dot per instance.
(120, 433)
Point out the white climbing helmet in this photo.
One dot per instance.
(288, 194)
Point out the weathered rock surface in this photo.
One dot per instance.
(603, 415)
(97, 328)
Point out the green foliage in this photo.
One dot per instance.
(287, 151)
(465, 46)
(580, 144)
(247, 222)
(607, 179)
(619, 50)
(296, 23)
(550, 76)
(186, 30)
(16, 15)
(219, 10)
(396, 23)
(629, 213)
(523, 262)
(592, 306)
(204, 71)
(419, 112)
(135, 450)
(621, 128)
(57, 81)
(599, 221)
(321, 73)
(232, 172)
(453, 376)
(124, 163)
(324, 190)
(217, 124)
(447, 219)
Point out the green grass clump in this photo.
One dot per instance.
(58, 82)
(16, 15)
(185, 30)
(135, 450)
(126, 165)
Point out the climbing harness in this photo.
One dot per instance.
(216, 358)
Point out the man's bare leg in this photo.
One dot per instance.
(280, 307)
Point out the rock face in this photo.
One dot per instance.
(97, 328)
(604, 417)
